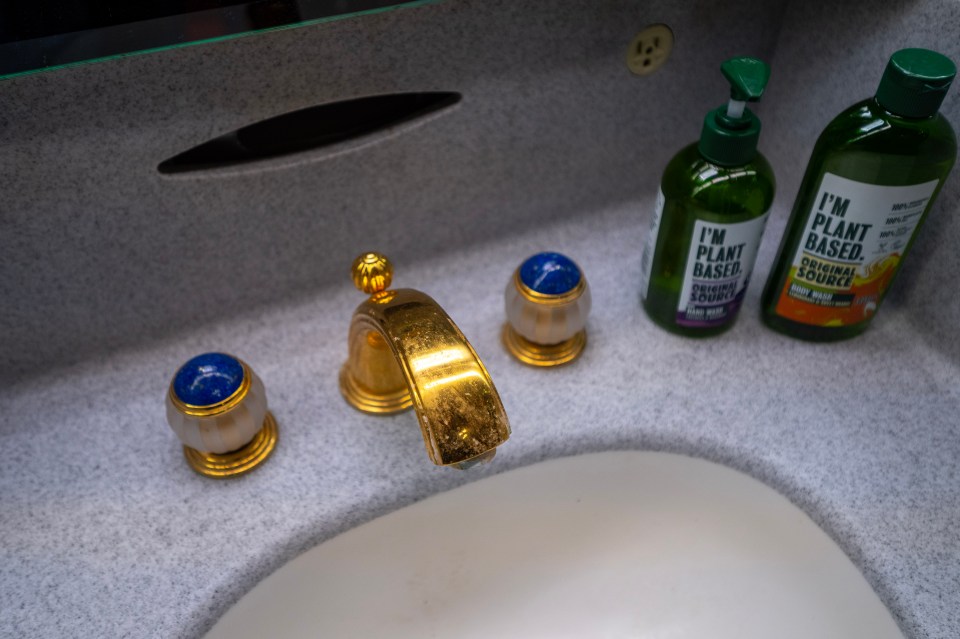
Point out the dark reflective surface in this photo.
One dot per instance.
(42, 34)
(311, 128)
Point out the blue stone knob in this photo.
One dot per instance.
(547, 303)
(550, 274)
(217, 406)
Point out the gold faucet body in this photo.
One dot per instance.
(404, 351)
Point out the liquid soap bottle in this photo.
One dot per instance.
(872, 178)
(710, 215)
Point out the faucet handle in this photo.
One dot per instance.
(372, 273)
(547, 302)
(217, 406)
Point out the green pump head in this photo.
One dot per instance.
(730, 133)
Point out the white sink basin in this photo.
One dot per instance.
(623, 544)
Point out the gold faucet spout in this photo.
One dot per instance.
(404, 351)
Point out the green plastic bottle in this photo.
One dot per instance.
(872, 178)
(710, 215)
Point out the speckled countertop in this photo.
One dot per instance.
(107, 532)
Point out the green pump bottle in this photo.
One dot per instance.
(872, 178)
(710, 215)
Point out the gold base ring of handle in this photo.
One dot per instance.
(239, 461)
(535, 354)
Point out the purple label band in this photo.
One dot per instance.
(708, 316)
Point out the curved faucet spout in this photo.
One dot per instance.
(406, 351)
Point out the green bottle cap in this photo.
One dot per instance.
(730, 133)
(915, 82)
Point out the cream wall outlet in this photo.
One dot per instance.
(649, 49)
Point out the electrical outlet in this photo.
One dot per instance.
(650, 49)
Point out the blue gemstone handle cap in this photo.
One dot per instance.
(550, 274)
(208, 379)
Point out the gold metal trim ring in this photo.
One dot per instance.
(369, 401)
(543, 355)
(239, 461)
(549, 300)
(220, 407)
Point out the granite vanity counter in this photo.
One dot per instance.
(107, 532)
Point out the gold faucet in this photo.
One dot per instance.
(404, 351)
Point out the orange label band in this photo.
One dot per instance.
(807, 303)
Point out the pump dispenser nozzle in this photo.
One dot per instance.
(730, 133)
(748, 78)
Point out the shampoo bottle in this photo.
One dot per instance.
(872, 178)
(710, 214)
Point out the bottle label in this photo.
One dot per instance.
(854, 239)
(718, 271)
(646, 260)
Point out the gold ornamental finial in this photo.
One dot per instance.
(372, 273)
